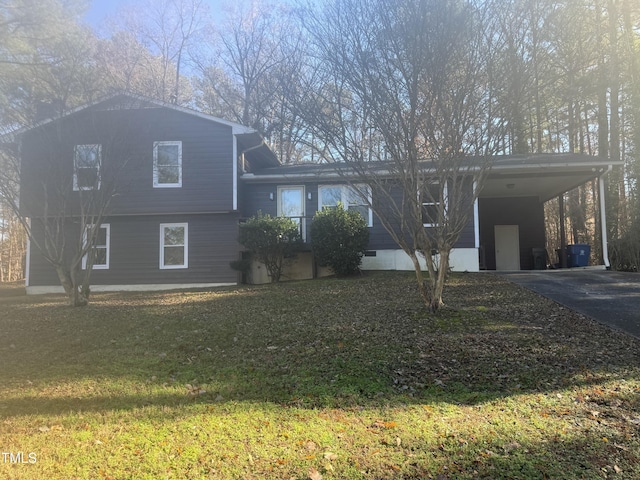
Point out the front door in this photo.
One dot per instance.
(291, 204)
(507, 247)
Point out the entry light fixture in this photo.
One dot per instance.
(308, 195)
(271, 196)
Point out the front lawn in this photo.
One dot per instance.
(333, 379)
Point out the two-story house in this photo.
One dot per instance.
(173, 176)
(180, 182)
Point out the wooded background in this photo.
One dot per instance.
(564, 75)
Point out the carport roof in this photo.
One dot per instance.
(541, 175)
(536, 175)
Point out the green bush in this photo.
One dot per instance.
(339, 239)
(271, 240)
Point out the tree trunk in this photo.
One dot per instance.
(422, 286)
(68, 282)
(437, 283)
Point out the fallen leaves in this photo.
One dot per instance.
(194, 390)
(314, 474)
(330, 456)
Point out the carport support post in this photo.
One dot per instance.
(603, 223)
(563, 233)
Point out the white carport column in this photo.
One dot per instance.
(603, 220)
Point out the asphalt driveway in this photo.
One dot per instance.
(610, 297)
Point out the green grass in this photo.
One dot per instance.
(342, 379)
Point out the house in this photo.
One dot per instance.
(174, 209)
(506, 225)
(181, 181)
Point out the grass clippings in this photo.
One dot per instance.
(332, 379)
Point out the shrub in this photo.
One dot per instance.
(339, 239)
(624, 252)
(271, 240)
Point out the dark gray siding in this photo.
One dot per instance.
(526, 212)
(135, 251)
(255, 197)
(127, 138)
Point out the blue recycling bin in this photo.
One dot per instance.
(578, 255)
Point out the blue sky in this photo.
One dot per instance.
(100, 9)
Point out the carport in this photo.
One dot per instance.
(510, 208)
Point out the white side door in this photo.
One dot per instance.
(507, 247)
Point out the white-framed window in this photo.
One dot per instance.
(350, 197)
(174, 245)
(101, 249)
(291, 204)
(432, 197)
(87, 161)
(167, 164)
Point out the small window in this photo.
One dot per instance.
(431, 198)
(174, 241)
(101, 247)
(86, 167)
(329, 196)
(167, 164)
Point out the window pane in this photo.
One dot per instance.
(173, 236)
(330, 196)
(353, 197)
(168, 174)
(291, 202)
(87, 156)
(362, 210)
(174, 255)
(99, 256)
(168, 155)
(101, 237)
(430, 214)
(87, 177)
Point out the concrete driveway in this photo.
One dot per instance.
(610, 297)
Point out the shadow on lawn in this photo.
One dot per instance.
(327, 343)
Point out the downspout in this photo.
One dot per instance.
(603, 219)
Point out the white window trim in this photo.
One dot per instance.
(445, 194)
(76, 187)
(156, 184)
(105, 266)
(185, 264)
(344, 192)
(302, 220)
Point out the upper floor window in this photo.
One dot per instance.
(86, 167)
(100, 250)
(167, 164)
(356, 198)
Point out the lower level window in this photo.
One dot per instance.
(174, 245)
(351, 198)
(99, 252)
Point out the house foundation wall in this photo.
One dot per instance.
(461, 260)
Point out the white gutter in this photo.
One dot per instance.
(603, 219)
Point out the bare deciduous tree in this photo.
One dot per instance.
(62, 202)
(399, 101)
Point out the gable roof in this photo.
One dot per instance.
(249, 139)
